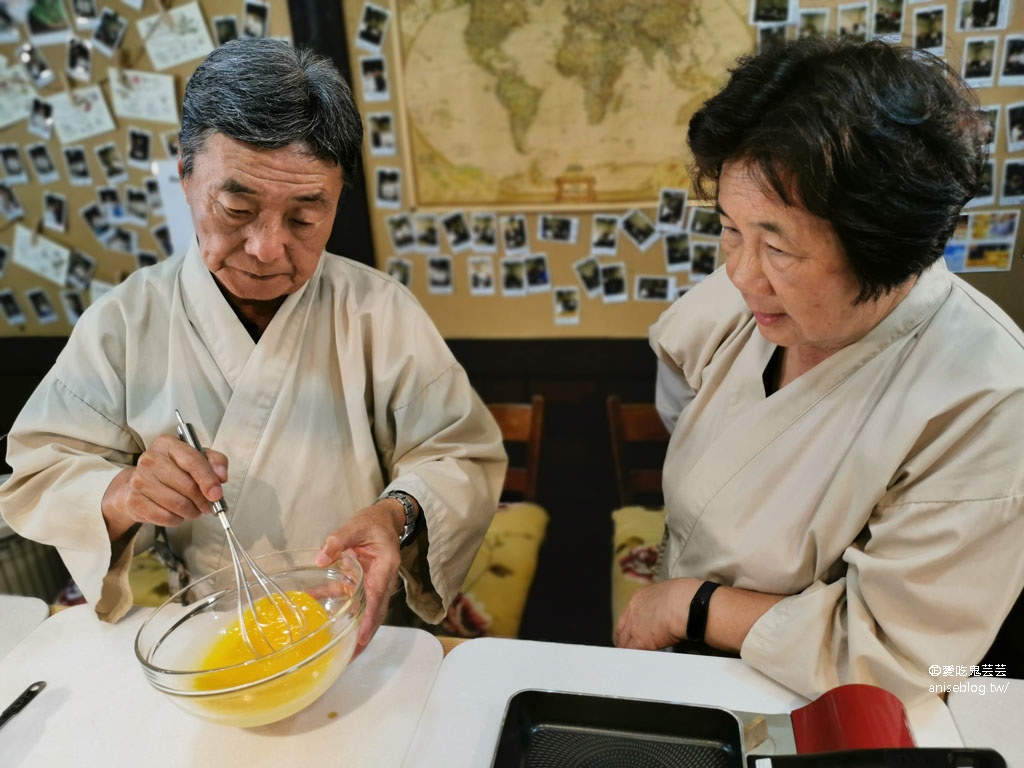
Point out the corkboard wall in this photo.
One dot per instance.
(110, 263)
(417, 69)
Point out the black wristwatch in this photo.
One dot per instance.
(697, 623)
(410, 530)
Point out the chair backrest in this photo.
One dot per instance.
(522, 426)
(639, 439)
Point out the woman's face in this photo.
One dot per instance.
(791, 269)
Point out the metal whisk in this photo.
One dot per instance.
(244, 565)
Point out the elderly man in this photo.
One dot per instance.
(335, 415)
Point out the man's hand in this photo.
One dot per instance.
(372, 537)
(656, 615)
(171, 483)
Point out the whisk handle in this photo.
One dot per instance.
(188, 434)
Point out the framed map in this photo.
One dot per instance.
(547, 103)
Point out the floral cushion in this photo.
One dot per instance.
(636, 545)
(494, 594)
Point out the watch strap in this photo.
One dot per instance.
(697, 622)
(409, 506)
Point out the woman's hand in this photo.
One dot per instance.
(656, 615)
(171, 483)
(372, 537)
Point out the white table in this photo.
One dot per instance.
(993, 718)
(460, 724)
(19, 616)
(98, 710)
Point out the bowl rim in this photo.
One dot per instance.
(151, 668)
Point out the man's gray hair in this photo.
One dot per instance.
(265, 93)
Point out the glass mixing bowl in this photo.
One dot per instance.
(174, 644)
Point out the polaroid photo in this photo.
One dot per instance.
(955, 256)
(40, 118)
(74, 306)
(993, 225)
(372, 28)
(639, 228)
(588, 271)
(986, 194)
(110, 204)
(93, 216)
(77, 164)
(381, 128)
(136, 206)
(225, 29)
(8, 26)
(770, 36)
(513, 276)
(12, 310)
(705, 221)
(41, 306)
(145, 259)
(930, 29)
(1014, 127)
(10, 205)
(81, 268)
(86, 13)
(389, 188)
(374, 78)
(567, 305)
(123, 241)
(852, 21)
(654, 288)
(1012, 70)
(256, 19)
(457, 230)
(979, 64)
(677, 251)
(154, 200)
(439, 274)
(671, 210)
(1013, 182)
(15, 171)
(990, 114)
(704, 260)
(170, 141)
(402, 232)
(36, 65)
(558, 229)
(481, 275)
(988, 15)
(79, 60)
(538, 276)
(4, 256)
(485, 232)
(989, 257)
(140, 148)
(772, 12)
(42, 163)
(162, 236)
(513, 234)
(889, 20)
(400, 269)
(427, 238)
(613, 282)
(111, 163)
(55, 212)
(47, 22)
(604, 234)
(813, 23)
(109, 32)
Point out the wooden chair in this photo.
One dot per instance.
(493, 596)
(638, 442)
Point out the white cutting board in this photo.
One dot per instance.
(19, 616)
(98, 710)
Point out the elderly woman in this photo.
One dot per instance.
(845, 413)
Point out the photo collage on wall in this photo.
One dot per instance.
(498, 253)
(87, 173)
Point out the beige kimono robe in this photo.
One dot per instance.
(350, 392)
(883, 489)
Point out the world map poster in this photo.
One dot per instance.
(552, 103)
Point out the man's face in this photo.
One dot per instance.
(262, 217)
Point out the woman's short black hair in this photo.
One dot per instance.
(883, 142)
